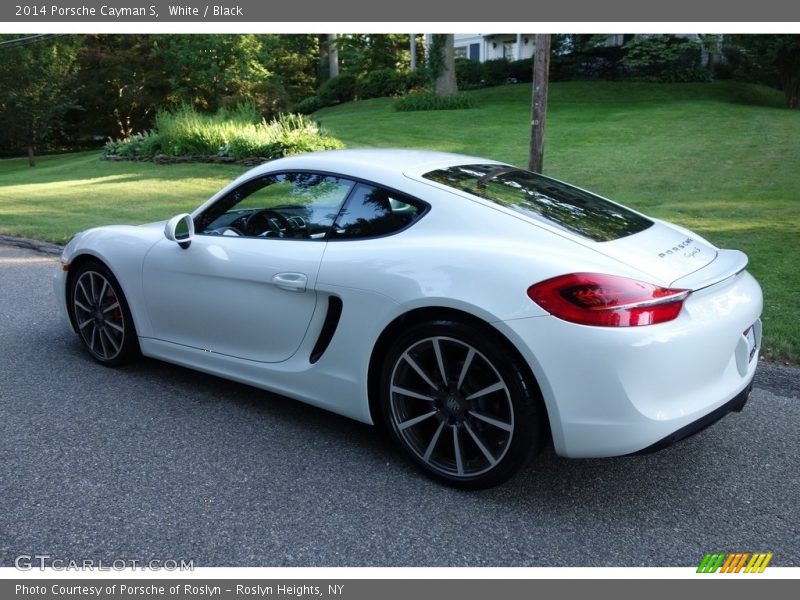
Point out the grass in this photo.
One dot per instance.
(720, 158)
(68, 193)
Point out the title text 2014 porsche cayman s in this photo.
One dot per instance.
(472, 308)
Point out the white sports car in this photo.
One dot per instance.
(474, 309)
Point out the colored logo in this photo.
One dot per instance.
(734, 562)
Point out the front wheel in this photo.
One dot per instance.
(101, 315)
(460, 404)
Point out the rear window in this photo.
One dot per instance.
(544, 199)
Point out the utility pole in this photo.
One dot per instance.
(541, 70)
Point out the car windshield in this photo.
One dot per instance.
(544, 199)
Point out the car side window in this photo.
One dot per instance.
(372, 211)
(287, 205)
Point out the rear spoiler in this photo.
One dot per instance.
(727, 263)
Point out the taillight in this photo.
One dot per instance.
(607, 300)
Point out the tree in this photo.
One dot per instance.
(541, 71)
(711, 45)
(323, 74)
(292, 58)
(121, 84)
(36, 89)
(770, 59)
(361, 54)
(210, 71)
(333, 55)
(441, 63)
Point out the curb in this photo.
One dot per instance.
(43, 247)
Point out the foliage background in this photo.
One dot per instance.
(71, 91)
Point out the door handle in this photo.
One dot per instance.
(291, 282)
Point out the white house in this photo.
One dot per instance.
(481, 47)
(490, 46)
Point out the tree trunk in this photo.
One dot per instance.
(541, 69)
(333, 55)
(413, 49)
(322, 67)
(445, 84)
(31, 157)
(791, 91)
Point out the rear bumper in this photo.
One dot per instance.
(620, 391)
(735, 404)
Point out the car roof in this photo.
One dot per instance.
(389, 161)
(392, 167)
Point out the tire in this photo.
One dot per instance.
(460, 404)
(101, 315)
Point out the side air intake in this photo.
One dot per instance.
(328, 328)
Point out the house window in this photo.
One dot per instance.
(460, 52)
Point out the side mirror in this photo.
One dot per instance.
(180, 229)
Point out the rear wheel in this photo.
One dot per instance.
(460, 404)
(101, 315)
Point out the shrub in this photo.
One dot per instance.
(564, 67)
(236, 133)
(308, 105)
(664, 58)
(430, 101)
(287, 134)
(186, 132)
(595, 62)
(496, 71)
(145, 143)
(724, 70)
(341, 88)
(417, 79)
(521, 71)
(469, 74)
(150, 144)
(112, 147)
(380, 83)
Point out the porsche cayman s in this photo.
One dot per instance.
(474, 309)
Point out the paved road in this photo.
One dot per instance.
(157, 462)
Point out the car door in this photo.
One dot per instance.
(245, 286)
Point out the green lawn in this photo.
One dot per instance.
(722, 159)
(68, 193)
